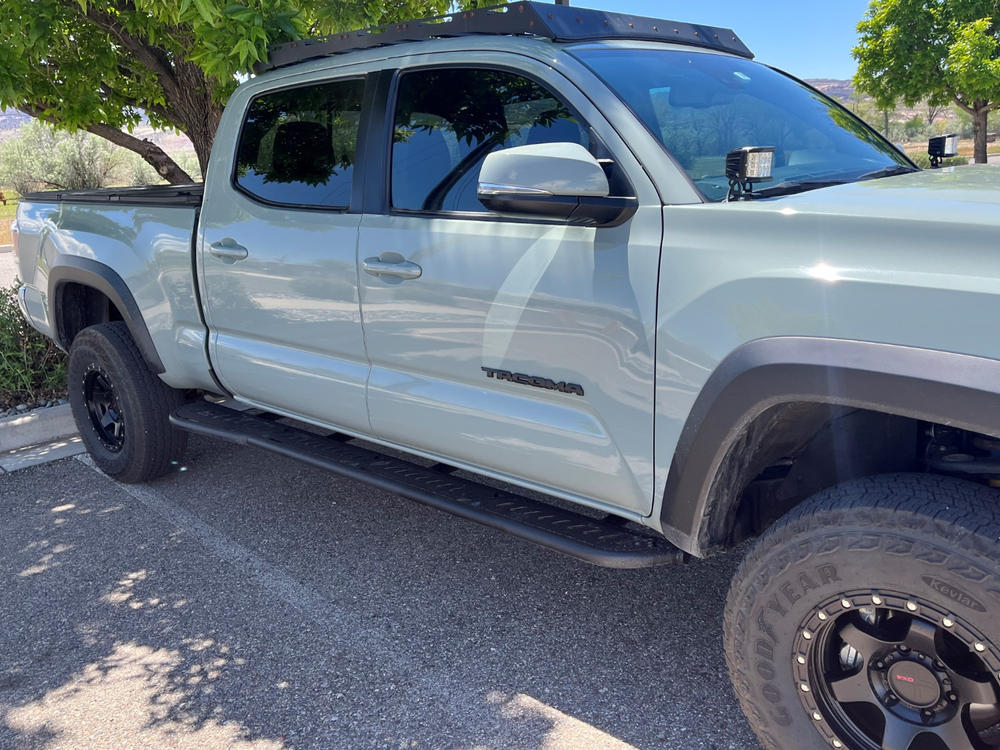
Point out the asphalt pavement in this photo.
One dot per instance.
(247, 600)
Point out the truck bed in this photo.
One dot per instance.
(157, 195)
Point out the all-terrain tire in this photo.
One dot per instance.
(913, 553)
(121, 407)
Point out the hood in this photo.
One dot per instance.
(952, 195)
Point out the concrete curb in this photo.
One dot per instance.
(6, 248)
(35, 427)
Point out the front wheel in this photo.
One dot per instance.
(869, 619)
(120, 407)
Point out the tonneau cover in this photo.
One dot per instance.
(160, 195)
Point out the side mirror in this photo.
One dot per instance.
(551, 180)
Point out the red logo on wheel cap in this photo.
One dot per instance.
(904, 678)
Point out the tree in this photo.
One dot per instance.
(43, 158)
(102, 67)
(941, 50)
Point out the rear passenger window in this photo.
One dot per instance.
(298, 145)
(448, 120)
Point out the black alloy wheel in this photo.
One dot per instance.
(889, 671)
(105, 412)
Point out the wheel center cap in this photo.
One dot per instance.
(914, 683)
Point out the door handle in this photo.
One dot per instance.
(402, 269)
(228, 249)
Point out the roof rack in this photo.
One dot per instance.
(560, 23)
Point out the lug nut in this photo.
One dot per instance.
(880, 664)
(903, 648)
(876, 600)
(927, 713)
(952, 697)
(800, 659)
(979, 647)
(807, 635)
(947, 622)
(805, 688)
(838, 743)
(845, 603)
(822, 615)
(817, 716)
(911, 606)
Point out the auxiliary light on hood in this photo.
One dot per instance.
(942, 147)
(747, 166)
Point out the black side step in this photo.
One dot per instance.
(599, 542)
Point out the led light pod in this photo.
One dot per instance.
(750, 164)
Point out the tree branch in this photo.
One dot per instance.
(150, 56)
(152, 154)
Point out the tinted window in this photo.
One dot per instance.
(298, 145)
(448, 120)
(701, 106)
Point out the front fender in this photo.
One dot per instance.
(958, 390)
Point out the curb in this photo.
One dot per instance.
(6, 248)
(35, 427)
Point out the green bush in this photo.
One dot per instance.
(924, 161)
(32, 368)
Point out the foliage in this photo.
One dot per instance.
(31, 367)
(930, 49)
(81, 64)
(42, 158)
(922, 160)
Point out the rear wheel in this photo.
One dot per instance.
(870, 619)
(120, 407)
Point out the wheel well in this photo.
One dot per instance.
(78, 306)
(792, 451)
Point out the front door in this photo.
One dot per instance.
(277, 255)
(524, 348)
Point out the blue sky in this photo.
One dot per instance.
(808, 39)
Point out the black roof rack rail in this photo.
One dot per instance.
(560, 23)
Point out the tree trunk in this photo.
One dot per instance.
(979, 128)
(155, 156)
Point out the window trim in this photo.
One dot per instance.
(357, 176)
(385, 142)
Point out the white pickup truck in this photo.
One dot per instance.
(679, 296)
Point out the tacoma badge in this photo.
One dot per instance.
(538, 382)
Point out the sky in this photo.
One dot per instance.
(806, 38)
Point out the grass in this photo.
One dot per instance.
(7, 214)
(32, 368)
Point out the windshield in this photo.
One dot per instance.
(701, 106)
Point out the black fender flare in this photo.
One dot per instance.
(958, 390)
(91, 273)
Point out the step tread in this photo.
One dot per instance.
(599, 541)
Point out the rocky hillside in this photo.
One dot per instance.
(10, 121)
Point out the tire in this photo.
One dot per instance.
(869, 618)
(120, 407)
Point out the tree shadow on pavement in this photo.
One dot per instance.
(249, 601)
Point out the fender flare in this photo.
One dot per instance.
(957, 390)
(96, 275)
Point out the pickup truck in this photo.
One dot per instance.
(671, 298)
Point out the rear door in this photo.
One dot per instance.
(277, 257)
(523, 348)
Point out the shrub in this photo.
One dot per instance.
(924, 161)
(43, 158)
(32, 368)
